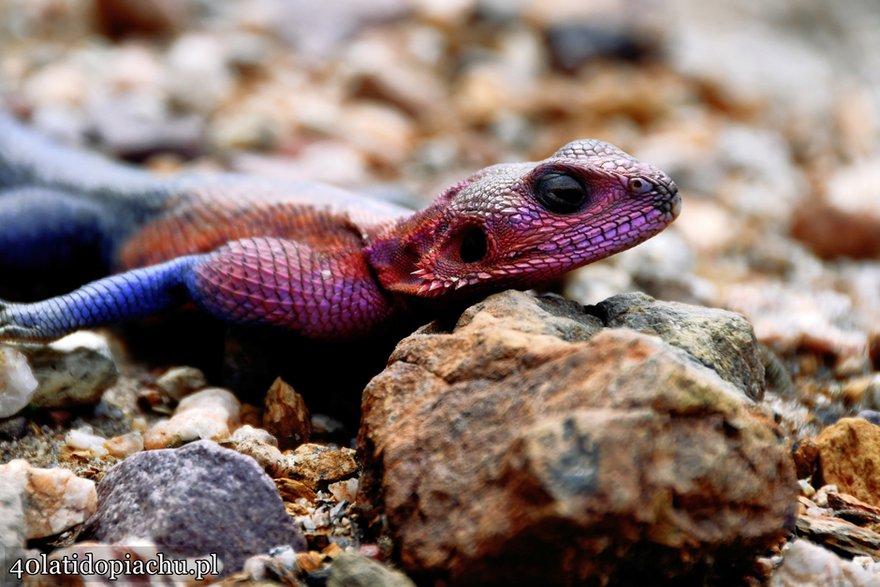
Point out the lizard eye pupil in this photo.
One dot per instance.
(561, 193)
(473, 245)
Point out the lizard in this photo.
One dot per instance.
(318, 260)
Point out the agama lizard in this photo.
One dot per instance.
(311, 258)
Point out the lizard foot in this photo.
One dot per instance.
(10, 331)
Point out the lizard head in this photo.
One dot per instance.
(518, 225)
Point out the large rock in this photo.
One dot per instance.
(193, 501)
(529, 445)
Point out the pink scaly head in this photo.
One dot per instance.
(519, 225)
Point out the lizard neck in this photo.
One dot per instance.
(395, 252)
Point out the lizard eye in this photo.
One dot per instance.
(561, 193)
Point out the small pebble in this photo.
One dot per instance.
(17, 382)
(177, 382)
(125, 444)
(81, 439)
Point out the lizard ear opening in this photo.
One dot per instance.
(472, 244)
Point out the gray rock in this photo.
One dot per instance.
(808, 565)
(75, 370)
(354, 570)
(573, 44)
(721, 340)
(177, 382)
(193, 501)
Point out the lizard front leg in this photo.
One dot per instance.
(328, 294)
(125, 296)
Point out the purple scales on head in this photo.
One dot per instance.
(516, 225)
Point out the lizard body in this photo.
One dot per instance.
(315, 259)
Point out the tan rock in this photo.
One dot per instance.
(841, 535)
(286, 416)
(788, 319)
(125, 444)
(847, 221)
(267, 455)
(555, 459)
(317, 465)
(849, 457)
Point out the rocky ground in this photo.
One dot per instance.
(720, 428)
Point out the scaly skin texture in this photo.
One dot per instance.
(310, 258)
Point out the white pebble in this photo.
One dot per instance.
(17, 383)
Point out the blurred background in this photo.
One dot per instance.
(765, 114)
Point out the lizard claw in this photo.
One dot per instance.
(13, 332)
(10, 331)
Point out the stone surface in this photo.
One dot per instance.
(83, 440)
(286, 416)
(13, 500)
(192, 501)
(211, 413)
(179, 382)
(721, 340)
(806, 565)
(17, 382)
(317, 465)
(789, 319)
(266, 454)
(281, 565)
(52, 500)
(847, 222)
(838, 534)
(600, 455)
(74, 370)
(125, 445)
(849, 457)
(354, 570)
(248, 433)
(119, 18)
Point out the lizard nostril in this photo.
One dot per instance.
(473, 246)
